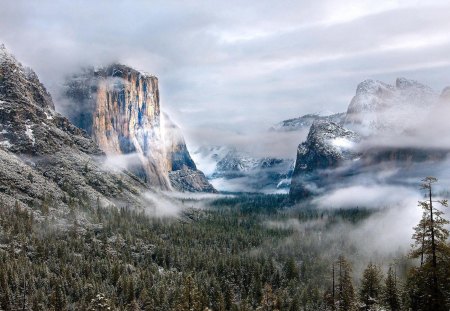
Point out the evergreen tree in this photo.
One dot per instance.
(190, 300)
(390, 293)
(428, 285)
(269, 301)
(370, 287)
(345, 292)
(290, 269)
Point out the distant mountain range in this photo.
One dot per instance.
(237, 171)
(371, 136)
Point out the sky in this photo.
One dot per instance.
(228, 70)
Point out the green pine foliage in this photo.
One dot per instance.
(248, 252)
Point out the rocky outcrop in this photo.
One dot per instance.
(183, 173)
(380, 107)
(44, 158)
(21, 84)
(378, 118)
(305, 122)
(119, 107)
(327, 147)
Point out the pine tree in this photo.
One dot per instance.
(370, 287)
(390, 293)
(345, 292)
(428, 284)
(290, 269)
(269, 301)
(190, 300)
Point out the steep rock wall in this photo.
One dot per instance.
(119, 107)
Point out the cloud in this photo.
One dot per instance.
(237, 64)
(164, 204)
(371, 196)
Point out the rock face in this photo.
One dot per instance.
(45, 159)
(378, 106)
(328, 146)
(183, 173)
(119, 107)
(367, 140)
(305, 122)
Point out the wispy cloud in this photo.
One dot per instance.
(236, 64)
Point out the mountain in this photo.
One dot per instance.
(183, 173)
(119, 107)
(327, 146)
(304, 122)
(378, 118)
(237, 171)
(380, 107)
(47, 163)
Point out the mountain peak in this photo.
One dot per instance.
(379, 106)
(370, 86)
(21, 84)
(404, 83)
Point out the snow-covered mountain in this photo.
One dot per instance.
(46, 162)
(304, 122)
(379, 118)
(378, 106)
(327, 146)
(231, 170)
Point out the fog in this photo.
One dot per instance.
(232, 67)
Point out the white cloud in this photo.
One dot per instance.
(233, 64)
(366, 196)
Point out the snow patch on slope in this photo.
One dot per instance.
(29, 133)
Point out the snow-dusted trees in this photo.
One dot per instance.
(371, 289)
(428, 284)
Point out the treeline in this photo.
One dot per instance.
(427, 286)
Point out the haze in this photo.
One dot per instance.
(233, 68)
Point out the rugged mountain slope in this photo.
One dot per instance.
(183, 173)
(119, 107)
(46, 161)
(305, 122)
(378, 118)
(378, 106)
(327, 146)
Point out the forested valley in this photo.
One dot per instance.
(241, 252)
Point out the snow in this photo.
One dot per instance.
(5, 144)
(342, 142)
(378, 106)
(29, 133)
(49, 117)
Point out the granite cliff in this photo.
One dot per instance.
(47, 163)
(119, 107)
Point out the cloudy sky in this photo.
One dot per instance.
(230, 69)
